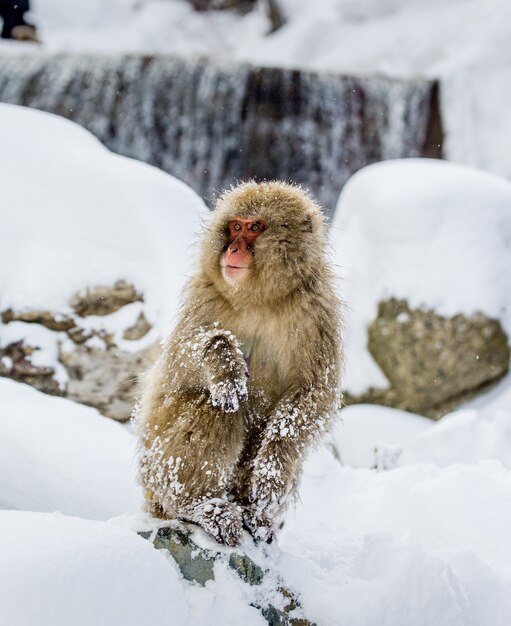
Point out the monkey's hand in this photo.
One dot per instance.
(226, 373)
(259, 524)
(220, 519)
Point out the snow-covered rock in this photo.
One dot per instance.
(428, 232)
(74, 215)
(78, 223)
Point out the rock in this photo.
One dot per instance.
(45, 318)
(242, 6)
(197, 565)
(100, 374)
(15, 363)
(246, 569)
(105, 300)
(139, 329)
(434, 363)
(103, 378)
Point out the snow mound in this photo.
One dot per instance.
(416, 545)
(61, 570)
(364, 427)
(434, 233)
(75, 215)
(56, 455)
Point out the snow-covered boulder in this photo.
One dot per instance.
(81, 225)
(423, 250)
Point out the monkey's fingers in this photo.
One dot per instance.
(221, 519)
(259, 525)
(228, 395)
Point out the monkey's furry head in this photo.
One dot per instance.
(288, 255)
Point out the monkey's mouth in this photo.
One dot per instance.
(232, 273)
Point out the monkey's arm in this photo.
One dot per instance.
(297, 422)
(211, 359)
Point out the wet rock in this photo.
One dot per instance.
(434, 363)
(105, 300)
(246, 569)
(197, 565)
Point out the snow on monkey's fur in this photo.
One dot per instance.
(221, 448)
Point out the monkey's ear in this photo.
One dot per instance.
(306, 225)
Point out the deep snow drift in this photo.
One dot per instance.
(57, 571)
(56, 455)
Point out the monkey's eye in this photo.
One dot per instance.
(237, 226)
(254, 228)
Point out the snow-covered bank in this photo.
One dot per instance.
(57, 571)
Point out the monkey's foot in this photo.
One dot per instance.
(259, 524)
(228, 394)
(220, 519)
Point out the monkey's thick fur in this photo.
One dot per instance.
(219, 448)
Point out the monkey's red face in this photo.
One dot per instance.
(241, 236)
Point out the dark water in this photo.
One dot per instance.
(212, 124)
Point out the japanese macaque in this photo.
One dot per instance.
(249, 378)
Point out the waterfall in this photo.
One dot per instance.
(214, 123)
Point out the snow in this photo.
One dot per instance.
(365, 427)
(464, 43)
(399, 220)
(424, 543)
(415, 545)
(62, 570)
(74, 216)
(56, 455)
(88, 217)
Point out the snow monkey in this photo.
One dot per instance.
(249, 378)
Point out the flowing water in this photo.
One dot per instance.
(214, 123)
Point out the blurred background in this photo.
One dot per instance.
(202, 88)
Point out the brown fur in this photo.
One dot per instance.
(204, 438)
